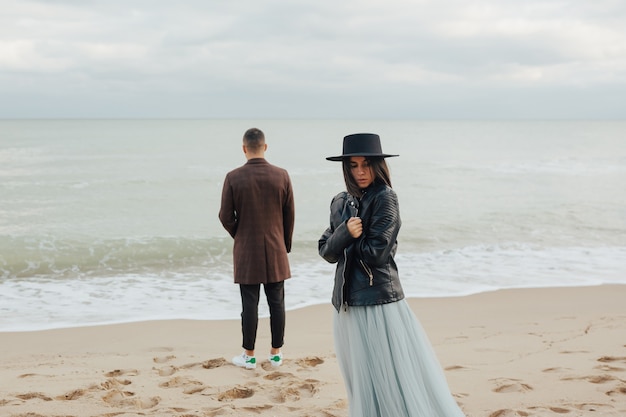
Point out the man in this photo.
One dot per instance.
(258, 211)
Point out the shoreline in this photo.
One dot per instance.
(506, 353)
(264, 313)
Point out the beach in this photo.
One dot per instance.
(506, 353)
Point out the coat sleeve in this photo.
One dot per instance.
(228, 214)
(375, 245)
(289, 215)
(336, 237)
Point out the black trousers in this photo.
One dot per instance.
(275, 294)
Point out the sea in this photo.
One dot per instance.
(114, 221)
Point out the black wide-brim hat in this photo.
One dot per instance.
(361, 144)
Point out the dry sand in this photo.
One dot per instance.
(526, 352)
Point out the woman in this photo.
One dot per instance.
(387, 362)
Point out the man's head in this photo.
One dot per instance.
(254, 145)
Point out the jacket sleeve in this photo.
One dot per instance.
(375, 245)
(228, 214)
(336, 237)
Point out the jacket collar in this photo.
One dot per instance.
(372, 187)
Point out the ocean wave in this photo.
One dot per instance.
(52, 257)
(188, 290)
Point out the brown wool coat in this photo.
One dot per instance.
(258, 211)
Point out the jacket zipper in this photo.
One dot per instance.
(344, 303)
(368, 271)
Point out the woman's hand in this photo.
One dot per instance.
(355, 227)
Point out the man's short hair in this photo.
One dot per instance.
(254, 139)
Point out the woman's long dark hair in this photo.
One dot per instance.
(379, 168)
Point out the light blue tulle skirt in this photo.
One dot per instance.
(388, 364)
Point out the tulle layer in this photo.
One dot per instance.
(388, 364)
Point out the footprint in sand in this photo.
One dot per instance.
(310, 361)
(513, 386)
(179, 381)
(235, 393)
(455, 368)
(559, 410)
(163, 359)
(208, 364)
(594, 379)
(286, 394)
(340, 404)
(127, 399)
(595, 407)
(190, 386)
(556, 369)
(520, 413)
(214, 363)
(600, 379)
(72, 395)
(296, 391)
(292, 388)
(120, 372)
(609, 368)
(114, 383)
(607, 364)
(194, 390)
(568, 410)
(114, 396)
(504, 413)
(274, 376)
(460, 395)
(606, 359)
(31, 375)
(33, 395)
(167, 371)
(621, 390)
(258, 409)
(228, 409)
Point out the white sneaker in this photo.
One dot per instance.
(276, 360)
(245, 361)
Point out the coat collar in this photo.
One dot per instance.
(255, 161)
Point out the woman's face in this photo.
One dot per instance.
(361, 171)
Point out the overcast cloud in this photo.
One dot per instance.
(315, 58)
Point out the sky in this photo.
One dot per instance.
(378, 59)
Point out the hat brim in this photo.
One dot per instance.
(348, 155)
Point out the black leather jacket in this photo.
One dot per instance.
(366, 272)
